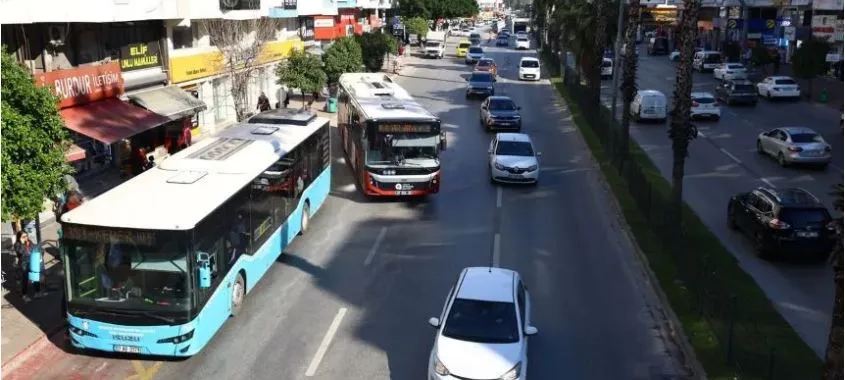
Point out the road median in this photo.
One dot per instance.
(733, 327)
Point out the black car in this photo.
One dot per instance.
(658, 46)
(789, 220)
(500, 112)
(481, 84)
(502, 41)
(739, 91)
(475, 41)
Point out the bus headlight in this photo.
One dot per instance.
(388, 172)
(178, 339)
(78, 331)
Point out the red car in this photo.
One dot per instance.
(487, 65)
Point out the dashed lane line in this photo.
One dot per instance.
(324, 345)
(376, 245)
(731, 156)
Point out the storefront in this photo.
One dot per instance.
(98, 120)
(204, 77)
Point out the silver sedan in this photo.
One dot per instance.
(795, 145)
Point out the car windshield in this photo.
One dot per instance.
(481, 77)
(464, 45)
(522, 39)
(475, 36)
(502, 105)
(476, 50)
(743, 88)
(482, 322)
(530, 64)
(704, 100)
(432, 44)
(713, 58)
(127, 269)
(785, 82)
(804, 216)
(398, 148)
(805, 138)
(514, 148)
(605, 63)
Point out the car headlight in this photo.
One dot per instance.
(499, 166)
(439, 368)
(388, 172)
(532, 168)
(513, 374)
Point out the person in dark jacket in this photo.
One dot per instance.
(263, 103)
(23, 248)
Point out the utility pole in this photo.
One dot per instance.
(744, 16)
(617, 64)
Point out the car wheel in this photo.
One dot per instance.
(305, 220)
(782, 160)
(731, 219)
(760, 149)
(238, 292)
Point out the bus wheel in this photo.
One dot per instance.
(306, 218)
(238, 290)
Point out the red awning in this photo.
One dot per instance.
(74, 153)
(110, 120)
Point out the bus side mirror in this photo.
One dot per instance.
(204, 270)
(443, 141)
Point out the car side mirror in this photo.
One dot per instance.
(435, 322)
(530, 330)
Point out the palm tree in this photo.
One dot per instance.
(629, 75)
(681, 129)
(833, 353)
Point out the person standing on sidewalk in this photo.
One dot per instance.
(23, 248)
(263, 103)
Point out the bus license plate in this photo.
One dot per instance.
(128, 349)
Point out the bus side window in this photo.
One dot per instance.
(240, 223)
(266, 205)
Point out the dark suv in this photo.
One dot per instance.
(789, 221)
(737, 91)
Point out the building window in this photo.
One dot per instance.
(219, 99)
(183, 37)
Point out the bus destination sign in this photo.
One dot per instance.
(96, 235)
(405, 128)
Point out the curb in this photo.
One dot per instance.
(675, 328)
(17, 361)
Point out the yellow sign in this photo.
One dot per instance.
(770, 24)
(191, 67)
(731, 24)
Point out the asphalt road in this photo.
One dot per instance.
(350, 300)
(723, 161)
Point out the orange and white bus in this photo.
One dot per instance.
(392, 143)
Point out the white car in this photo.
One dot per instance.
(704, 105)
(779, 87)
(521, 34)
(522, 43)
(512, 159)
(529, 68)
(730, 71)
(606, 68)
(483, 330)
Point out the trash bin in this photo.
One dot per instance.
(331, 105)
(823, 96)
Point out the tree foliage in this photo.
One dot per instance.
(808, 61)
(303, 71)
(417, 25)
(34, 140)
(374, 47)
(343, 56)
(433, 9)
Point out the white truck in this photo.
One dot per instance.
(435, 44)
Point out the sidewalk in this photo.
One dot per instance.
(29, 326)
(833, 86)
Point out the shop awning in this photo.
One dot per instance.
(171, 101)
(110, 120)
(74, 153)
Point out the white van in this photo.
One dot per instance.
(706, 60)
(649, 105)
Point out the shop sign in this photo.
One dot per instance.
(278, 50)
(828, 5)
(187, 68)
(826, 27)
(83, 85)
(140, 56)
(324, 23)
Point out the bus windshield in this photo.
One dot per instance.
(127, 269)
(412, 149)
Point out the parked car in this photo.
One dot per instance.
(606, 68)
(795, 145)
(779, 87)
(706, 60)
(783, 221)
(649, 105)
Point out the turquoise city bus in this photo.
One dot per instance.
(156, 265)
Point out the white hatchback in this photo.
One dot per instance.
(522, 43)
(704, 105)
(483, 330)
(512, 159)
(529, 68)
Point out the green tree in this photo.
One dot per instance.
(413, 8)
(34, 140)
(809, 61)
(374, 47)
(452, 8)
(417, 25)
(343, 56)
(303, 71)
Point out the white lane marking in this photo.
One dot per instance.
(375, 247)
(324, 345)
(496, 247)
(498, 197)
(731, 156)
(700, 134)
(766, 181)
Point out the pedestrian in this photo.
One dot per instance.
(23, 248)
(186, 133)
(288, 94)
(263, 103)
(35, 273)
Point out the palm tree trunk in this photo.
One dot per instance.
(593, 66)
(833, 354)
(629, 76)
(681, 129)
